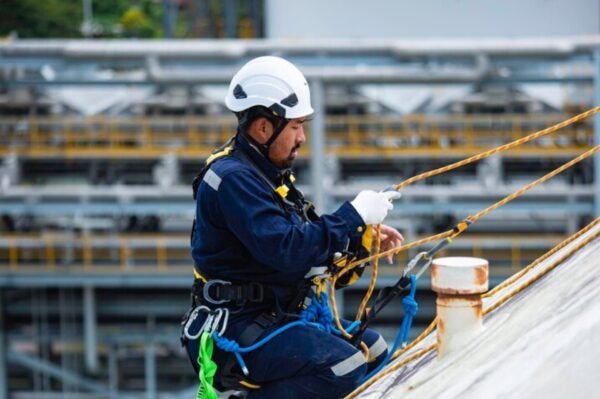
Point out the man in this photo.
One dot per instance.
(257, 245)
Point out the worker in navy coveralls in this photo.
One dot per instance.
(256, 243)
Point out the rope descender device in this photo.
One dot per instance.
(427, 256)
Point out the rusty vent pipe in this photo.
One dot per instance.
(459, 283)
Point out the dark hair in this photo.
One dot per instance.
(246, 117)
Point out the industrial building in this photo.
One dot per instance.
(100, 140)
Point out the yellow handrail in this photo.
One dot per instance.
(363, 135)
(92, 252)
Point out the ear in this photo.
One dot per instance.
(261, 130)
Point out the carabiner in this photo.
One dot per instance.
(190, 320)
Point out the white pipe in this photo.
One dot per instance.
(459, 283)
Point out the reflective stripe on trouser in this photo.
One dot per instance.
(307, 363)
(377, 349)
(304, 362)
(377, 346)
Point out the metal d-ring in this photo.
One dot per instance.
(206, 293)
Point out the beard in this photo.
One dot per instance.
(289, 160)
(293, 154)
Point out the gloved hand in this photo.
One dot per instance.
(374, 206)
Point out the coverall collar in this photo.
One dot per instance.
(271, 171)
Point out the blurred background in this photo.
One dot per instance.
(108, 109)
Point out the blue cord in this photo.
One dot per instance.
(353, 326)
(410, 307)
(318, 311)
(229, 345)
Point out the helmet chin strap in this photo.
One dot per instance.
(278, 124)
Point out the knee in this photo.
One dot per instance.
(348, 374)
(378, 351)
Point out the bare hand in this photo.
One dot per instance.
(390, 238)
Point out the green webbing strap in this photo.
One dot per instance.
(208, 368)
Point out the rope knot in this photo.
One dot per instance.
(318, 311)
(310, 314)
(410, 306)
(225, 344)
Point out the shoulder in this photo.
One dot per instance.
(232, 171)
(233, 168)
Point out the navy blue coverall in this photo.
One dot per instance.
(243, 235)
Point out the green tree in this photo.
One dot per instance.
(41, 18)
(137, 24)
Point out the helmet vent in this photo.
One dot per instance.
(239, 93)
(290, 100)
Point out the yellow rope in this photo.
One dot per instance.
(451, 234)
(476, 158)
(496, 150)
(535, 278)
(394, 251)
(539, 181)
(365, 300)
(336, 318)
(391, 369)
(545, 256)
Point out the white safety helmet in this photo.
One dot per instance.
(271, 82)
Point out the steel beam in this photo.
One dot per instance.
(317, 144)
(319, 195)
(555, 47)
(169, 18)
(150, 361)
(230, 11)
(89, 329)
(57, 372)
(113, 371)
(3, 342)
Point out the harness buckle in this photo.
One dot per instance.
(256, 292)
(206, 291)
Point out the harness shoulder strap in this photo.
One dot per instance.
(279, 194)
(225, 150)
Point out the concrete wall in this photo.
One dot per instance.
(410, 19)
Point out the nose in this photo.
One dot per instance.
(301, 138)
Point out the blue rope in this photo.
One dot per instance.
(229, 345)
(410, 307)
(317, 315)
(319, 311)
(353, 326)
(322, 313)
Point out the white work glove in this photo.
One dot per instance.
(374, 206)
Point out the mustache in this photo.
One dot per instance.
(296, 147)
